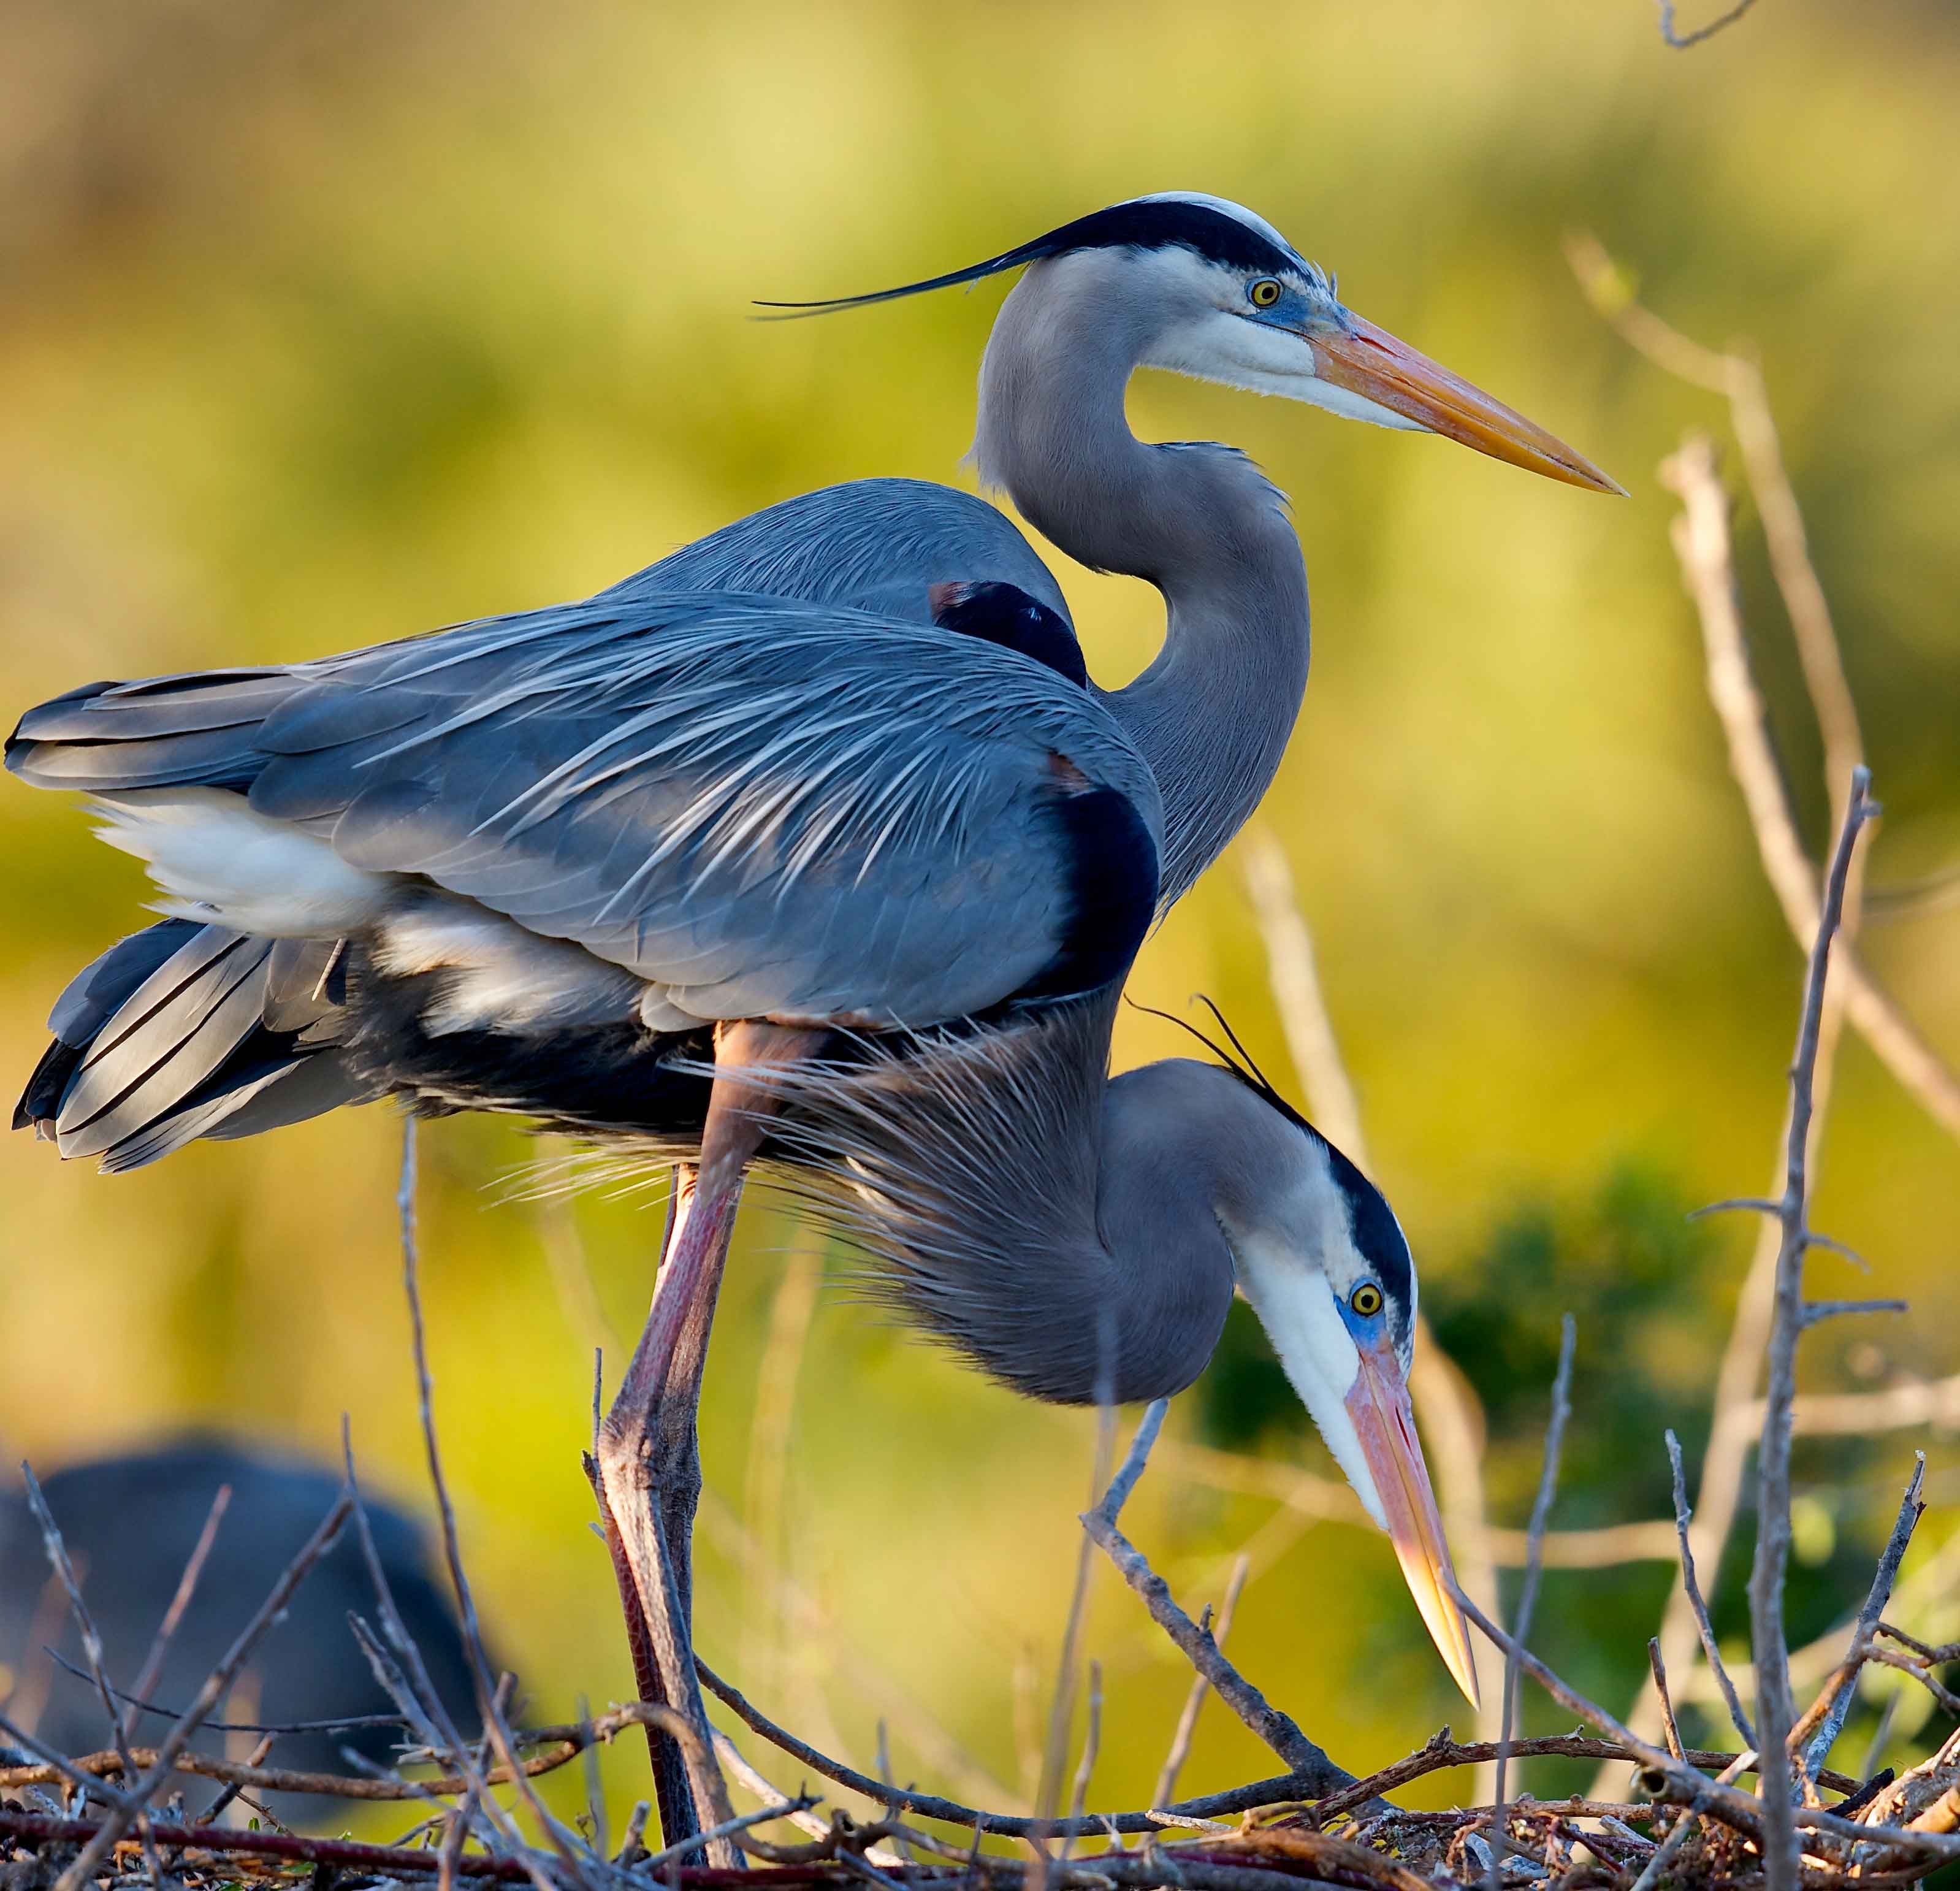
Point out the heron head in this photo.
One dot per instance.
(1324, 1265)
(1244, 307)
(1211, 291)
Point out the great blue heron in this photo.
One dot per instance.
(130, 1523)
(632, 865)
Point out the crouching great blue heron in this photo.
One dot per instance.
(734, 873)
(130, 1524)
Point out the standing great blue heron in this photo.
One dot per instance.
(633, 865)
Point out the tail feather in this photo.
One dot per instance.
(158, 705)
(170, 1035)
(199, 729)
(183, 1028)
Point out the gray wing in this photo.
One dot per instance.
(762, 808)
(874, 545)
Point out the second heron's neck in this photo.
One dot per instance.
(1213, 714)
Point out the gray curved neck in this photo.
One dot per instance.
(1129, 1287)
(1213, 714)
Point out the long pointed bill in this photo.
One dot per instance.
(1370, 362)
(1379, 1405)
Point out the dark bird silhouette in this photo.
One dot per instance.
(130, 1524)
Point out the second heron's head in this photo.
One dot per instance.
(1321, 1258)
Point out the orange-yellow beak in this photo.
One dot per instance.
(1379, 1405)
(1369, 361)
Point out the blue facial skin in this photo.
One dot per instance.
(1296, 311)
(1368, 1329)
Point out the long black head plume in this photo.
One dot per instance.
(1238, 1060)
(1209, 227)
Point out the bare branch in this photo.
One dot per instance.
(1294, 975)
(1547, 1484)
(1447, 1405)
(1776, 1710)
(1187, 1721)
(1277, 1730)
(1443, 1753)
(1091, 1742)
(1669, 1726)
(1825, 1717)
(1816, 1312)
(91, 1648)
(1054, 1753)
(490, 1697)
(1702, 543)
(193, 1569)
(272, 1610)
(782, 1809)
(56, 1767)
(1285, 1789)
(1692, 1588)
(1680, 41)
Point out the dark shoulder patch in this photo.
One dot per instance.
(1112, 886)
(1006, 614)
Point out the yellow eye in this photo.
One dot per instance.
(1265, 292)
(1366, 1301)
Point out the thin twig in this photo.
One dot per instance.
(1691, 1586)
(272, 1610)
(746, 1776)
(813, 1627)
(91, 1647)
(1279, 1731)
(1825, 1719)
(1669, 1848)
(1055, 1752)
(1548, 1485)
(1669, 1726)
(1775, 1709)
(765, 1483)
(193, 1569)
(56, 1767)
(255, 1757)
(783, 1809)
(1703, 544)
(1451, 1416)
(489, 1698)
(221, 1839)
(1285, 1789)
(1187, 1721)
(1443, 1753)
(1681, 41)
(1091, 1742)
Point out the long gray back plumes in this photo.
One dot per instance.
(966, 1174)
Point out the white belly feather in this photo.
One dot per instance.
(218, 862)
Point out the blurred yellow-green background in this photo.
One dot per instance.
(325, 324)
